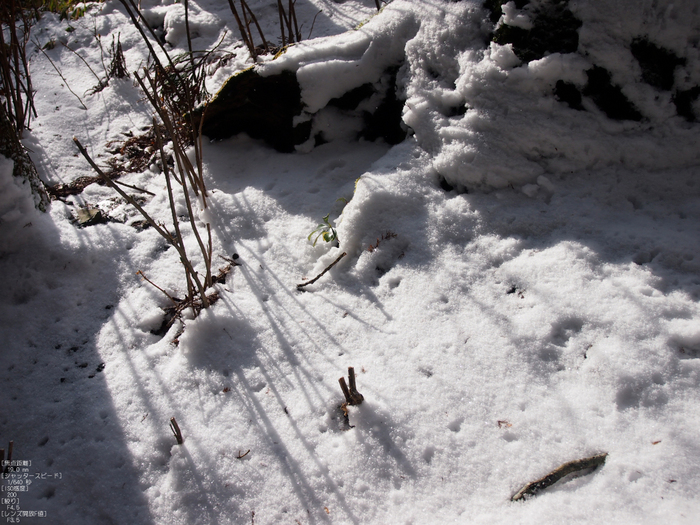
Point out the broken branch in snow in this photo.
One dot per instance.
(352, 396)
(176, 430)
(558, 473)
(173, 299)
(331, 265)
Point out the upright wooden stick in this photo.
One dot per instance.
(176, 430)
(352, 396)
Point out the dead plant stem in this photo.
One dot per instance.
(241, 28)
(159, 229)
(331, 265)
(257, 25)
(83, 60)
(176, 226)
(61, 75)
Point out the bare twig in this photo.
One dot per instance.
(176, 431)
(135, 188)
(550, 479)
(313, 22)
(159, 228)
(231, 260)
(187, 31)
(101, 84)
(280, 10)
(121, 192)
(352, 396)
(293, 17)
(61, 75)
(98, 37)
(244, 34)
(183, 255)
(173, 299)
(331, 265)
(15, 80)
(257, 25)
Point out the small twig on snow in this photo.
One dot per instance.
(331, 265)
(60, 75)
(173, 299)
(136, 188)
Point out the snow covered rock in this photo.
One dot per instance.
(341, 87)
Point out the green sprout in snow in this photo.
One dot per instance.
(325, 230)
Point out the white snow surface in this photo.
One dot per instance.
(549, 314)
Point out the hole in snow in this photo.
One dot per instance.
(456, 425)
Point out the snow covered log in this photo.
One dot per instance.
(341, 87)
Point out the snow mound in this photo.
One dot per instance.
(517, 110)
(16, 204)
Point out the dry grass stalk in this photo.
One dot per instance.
(56, 68)
(117, 67)
(174, 240)
(244, 27)
(176, 431)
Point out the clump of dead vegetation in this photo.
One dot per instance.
(174, 87)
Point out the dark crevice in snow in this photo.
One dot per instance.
(569, 93)
(554, 30)
(608, 96)
(684, 100)
(494, 7)
(385, 122)
(350, 100)
(658, 64)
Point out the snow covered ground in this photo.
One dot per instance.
(521, 286)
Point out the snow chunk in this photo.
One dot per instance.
(512, 16)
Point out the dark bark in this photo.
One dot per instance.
(12, 148)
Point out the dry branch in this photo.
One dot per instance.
(558, 473)
(61, 75)
(331, 265)
(176, 431)
(352, 396)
